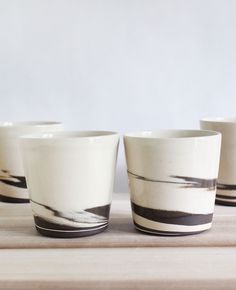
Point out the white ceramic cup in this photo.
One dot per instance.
(12, 180)
(70, 178)
(226, 185)
(172, 177)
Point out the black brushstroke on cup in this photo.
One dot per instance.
(13, 180)
(188, 182)
(222, 186)
(96, 215)
(51, 229)
(226, 196)
(100, 213)
(42, 222)
(171, 217)
(164, 233)
(227, 200)
(10, 199)
(193, 182)
(100, 210)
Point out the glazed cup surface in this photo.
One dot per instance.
(172, 178)
(12, 178)
(226, 186)
(70, 178)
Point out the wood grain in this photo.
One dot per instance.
(121, 268)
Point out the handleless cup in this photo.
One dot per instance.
(172, 178)
(70, 178)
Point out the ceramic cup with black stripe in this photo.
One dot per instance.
(70, 178)
(172, 178)
(226, 185)
(12, 179)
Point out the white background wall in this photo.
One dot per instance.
(121, 65)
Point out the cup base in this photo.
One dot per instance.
(54, 230)
(10, 199)
(68, 235)
(165, 233)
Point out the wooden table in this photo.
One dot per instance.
(119, 258)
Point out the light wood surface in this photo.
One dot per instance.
(120, 258)
(136, 268)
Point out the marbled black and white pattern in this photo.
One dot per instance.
(183, 181)
(11, 182)
(70, 177)
(163, 221)
(226, 186)
(226, 194)
(13, 187)
(65, 224)
(172, 179)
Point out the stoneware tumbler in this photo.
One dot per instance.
(172, 177)
(70, 178)
(226, 185)
(12, 180)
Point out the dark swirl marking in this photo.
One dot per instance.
(164, 233)
(10, 199)
(226, 196)
(13, 180)
(50, 229)
(194, 182)
(171, 217)
(225, 202)
(100, 210)
(222, 186)
(88, 216)
(188, 182)
(48, 224)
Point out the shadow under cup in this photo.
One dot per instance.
(70, 178)
(172, 178)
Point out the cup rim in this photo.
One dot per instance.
(13, 124)
(70, 135)
(184, 134)
(220, 120)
